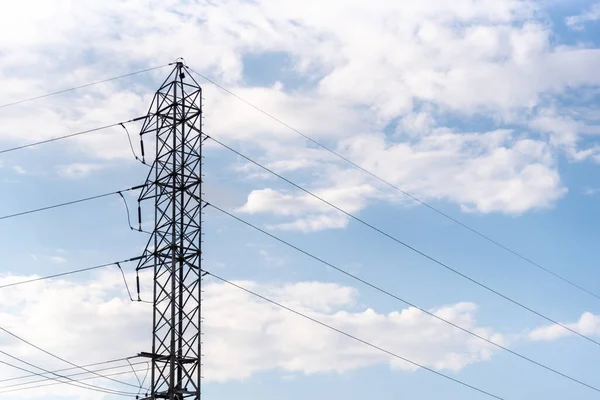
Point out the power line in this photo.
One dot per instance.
(129, 216)
(356, 338)
(139, 300)
(141, 160)
(68, 203)
(72, 135)
(404, 192)
(136, 375)
(51, 354)
(411, 248)
(125, 281)
(62, 383)
(145, 375)
(67, 273)
(82, 86)
(60, 358)
(68, 369)
(69, 382)
(379, 289)
(46, 379)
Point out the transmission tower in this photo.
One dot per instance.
(174, 249)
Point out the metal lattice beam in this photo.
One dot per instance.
(174, 249)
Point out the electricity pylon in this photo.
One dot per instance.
(174, 249)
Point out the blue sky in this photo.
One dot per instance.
(486, 109)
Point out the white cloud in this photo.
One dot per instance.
(19, 170)
(270, 259)
(565, 132)
(588, 325)
(58, 259)
(78, 170)
(313, 223)
(361, 67)
(321, 116)
(278, 339)
(311, 213)
(482, 172)
(591, 191)
(577, 21)
(268, 255)
(84, 322)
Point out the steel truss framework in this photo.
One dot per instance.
(174, 249)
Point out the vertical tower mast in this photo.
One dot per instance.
(174, 249)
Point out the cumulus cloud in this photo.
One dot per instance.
(78, 170)
(312, 214)
(588, 325)
(276, 339)
(485, 172)
(85, 322)
(482, 172)
(359, 67)
(566, 131)
(577, 22)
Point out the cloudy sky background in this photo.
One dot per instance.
(486, 109)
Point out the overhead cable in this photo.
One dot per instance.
(70, 376)
(60, 358)
(82, 86)
(69, 369)
(54, 139)
(409, 247)
(365, 342)
(75, 380)
(115, 263)
(69, 381)
(396, 297)
(129, 216)
(68, 203)
(404, 192)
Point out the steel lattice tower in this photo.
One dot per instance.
(174, 249)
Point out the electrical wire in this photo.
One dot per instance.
(66, 273)
(404, 192)
(69, 369)
(76, 380)
(355, 338)
(70, 135)
(82, 86)
(136, 375)
(139, 300)
(396, 297)
(409, 247)
(60, 358)
(131, 145)
(46, 379)
(118, 264)
(127, 209)
(129, 216)
(68, 203)
(145, 375)
(125, 281)
(69, 382)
